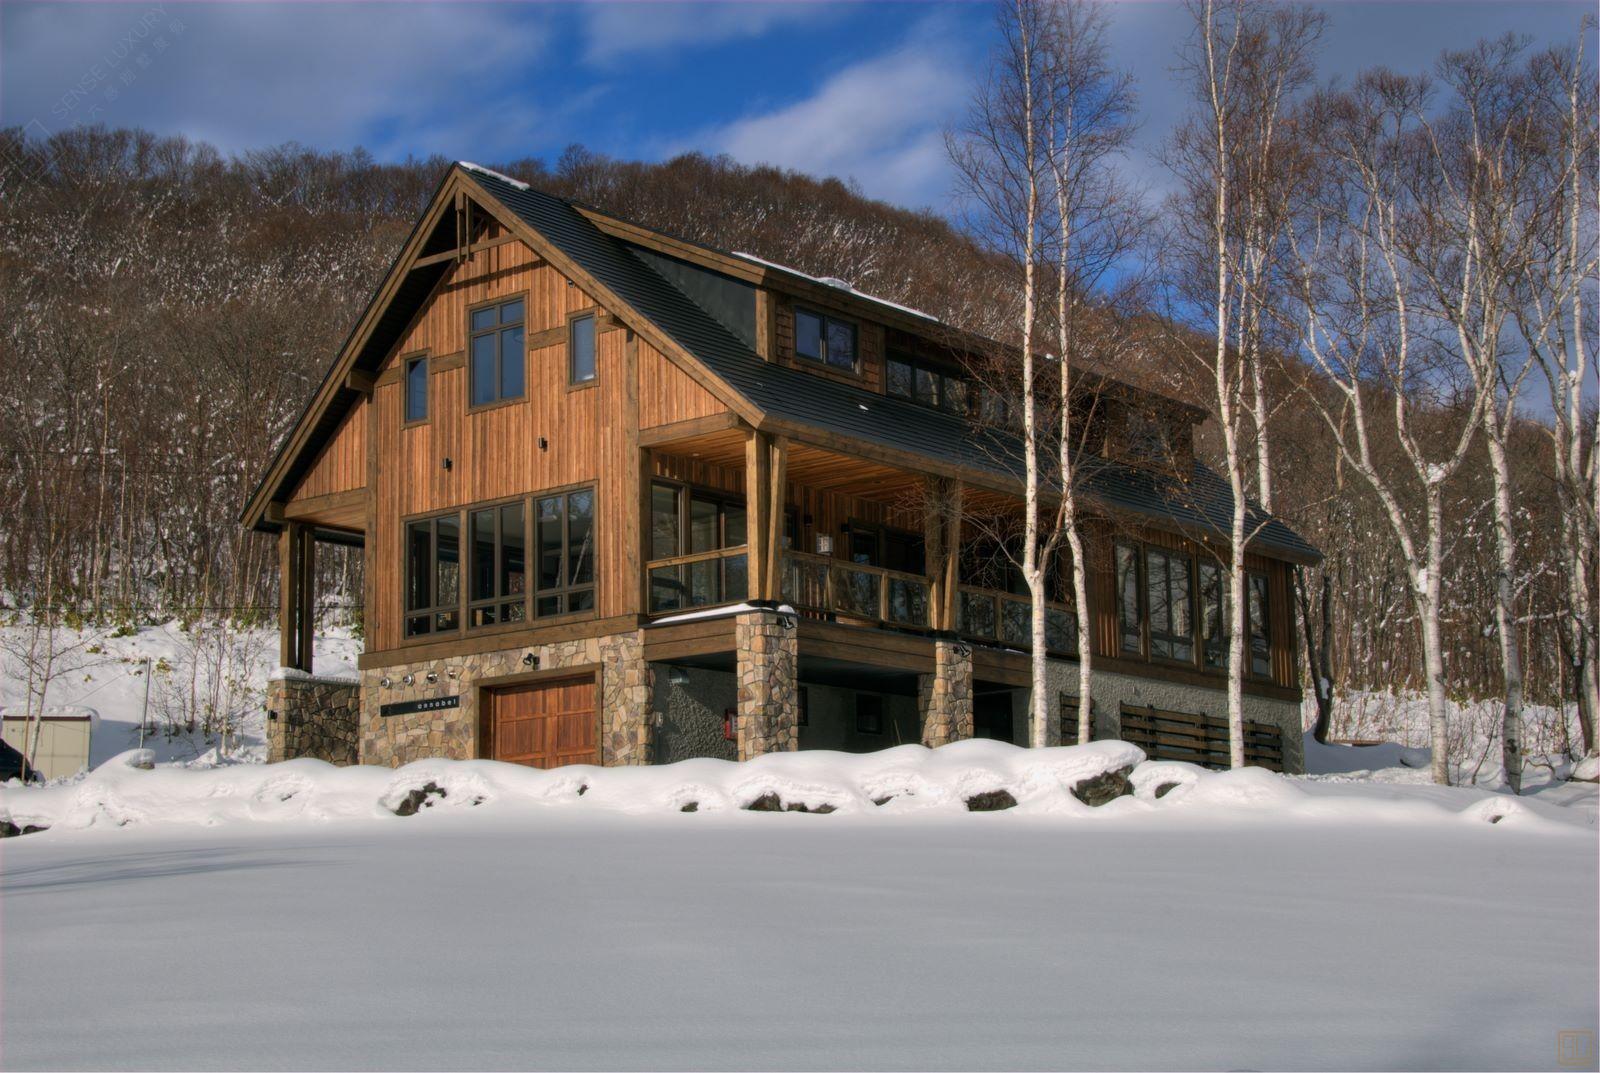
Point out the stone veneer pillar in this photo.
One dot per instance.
(768, 672)
(310, 716)
(625, 688)
(945, 696)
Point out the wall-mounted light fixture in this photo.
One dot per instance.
(678, 676)
(432, 678)
(786, 621)
(824, 544)
(383, 683)
(544, 444)
(962, 649)
(409, 679)
(530, 660)
(448, 463)
(452, 673)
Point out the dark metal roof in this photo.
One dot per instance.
(1201, 503)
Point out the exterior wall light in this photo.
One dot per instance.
(383, 683)
(409, 679)
(786, 621)
(530, 660)
(678, 676)
(432, 678)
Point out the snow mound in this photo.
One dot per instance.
(909, 778)
(1350, 759)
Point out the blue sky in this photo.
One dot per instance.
(857, 90)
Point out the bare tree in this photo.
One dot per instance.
(1559, 332)
(1099, 222)
(1003, 168)
(1375, 249)
(1245, 61)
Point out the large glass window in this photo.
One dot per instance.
(564, 556)
(1130, 615)
(498, 566)
(581, 350)
(1260, 625)
(416, 390)
(824, 339)
(686, 523)
(433, 575)
(497, 352)
(1167, 602)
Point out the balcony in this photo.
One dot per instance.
(704, 579)
(822, 585)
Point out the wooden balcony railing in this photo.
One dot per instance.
(987, 615)
(704, 579)
(851, 590)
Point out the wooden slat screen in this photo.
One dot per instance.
(1199, 739)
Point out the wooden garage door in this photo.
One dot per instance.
(546, 724)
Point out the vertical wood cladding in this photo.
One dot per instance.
(668, 394)
(495, 452)
(342, 464)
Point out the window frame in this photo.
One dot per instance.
(565, 590)
(854, 368)
(498, 601)
(1250, 577)
(573, 383)
(407, 363)
(495, 330)
(434, 608)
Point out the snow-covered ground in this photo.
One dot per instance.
(284, 917)
(104, 670)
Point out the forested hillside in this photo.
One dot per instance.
(168, 312)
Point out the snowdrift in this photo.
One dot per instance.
(1107, 778)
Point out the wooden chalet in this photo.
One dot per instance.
(626, 499)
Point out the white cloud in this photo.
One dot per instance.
(247, 75)
(879, 122)
(616, 30)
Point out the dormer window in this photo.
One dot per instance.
(825, 340)
(925, 384)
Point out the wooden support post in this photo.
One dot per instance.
(288, 589)
(757, 510)
(646, 464)
(306, 620)
(942, 534)
(778, 481)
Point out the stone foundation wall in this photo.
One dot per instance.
(945, 696)
(623, 694)
(768, 669)
(316, 717)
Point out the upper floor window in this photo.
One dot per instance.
(927, 385)
(1214, 617)
(581, 364)
(1168, 602)
(824, 339)
(499, 571)
(497, 353)
(433, 575)
(416, 390)
(564, 560)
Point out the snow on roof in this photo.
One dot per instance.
(838, 284)
(481, 170)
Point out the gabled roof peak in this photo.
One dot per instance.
(481, 170)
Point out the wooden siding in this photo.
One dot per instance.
(495, 452)
(342, 464)
(668, 394)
